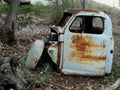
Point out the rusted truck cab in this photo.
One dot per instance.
(82, 43)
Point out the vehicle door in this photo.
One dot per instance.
(84, 48)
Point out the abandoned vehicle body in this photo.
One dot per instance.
(82, 43)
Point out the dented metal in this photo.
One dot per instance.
(84, 44)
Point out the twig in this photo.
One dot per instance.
(114, 86)
(64, 87)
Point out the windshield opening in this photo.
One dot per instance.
(64, 19)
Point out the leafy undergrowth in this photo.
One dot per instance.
(115, 74)
(35, 78)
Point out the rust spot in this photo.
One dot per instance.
(82, 48)
(75, 11)
(35, 60)
(58, 47)
(59, 52)
(111, 40)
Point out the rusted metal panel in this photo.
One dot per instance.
(84, 48)
(54, 52)
(75, 11)
(84, 54)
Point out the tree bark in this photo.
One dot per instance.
(10, 23)
(11, 75)
(82, 4)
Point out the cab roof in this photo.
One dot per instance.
(76, 11)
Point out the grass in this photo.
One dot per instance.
(117, 49)
(25, 8)
(37, 8)
(114, 74)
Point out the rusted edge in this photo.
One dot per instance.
(59, 52)
(75, 11)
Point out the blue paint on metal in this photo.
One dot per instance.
(85, 53)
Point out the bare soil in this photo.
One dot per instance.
(38, 28)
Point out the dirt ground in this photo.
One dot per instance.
(38, 28)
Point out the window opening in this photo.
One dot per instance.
(87, 24)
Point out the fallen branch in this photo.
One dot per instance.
(114, 86)
(64, 87)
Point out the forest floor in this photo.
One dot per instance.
(38, 28)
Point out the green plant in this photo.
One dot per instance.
(41, 78)
(114, 74)
(116, 70)
(117, 49)
(3, 7)
(99, 87)
(102, 88)
(89, 88)
(25, 8)
(36, 79)
(22, 60)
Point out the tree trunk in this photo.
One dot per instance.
(10, 23)
(82, 4)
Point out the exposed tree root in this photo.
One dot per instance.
(11, 75)
(114, 86)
